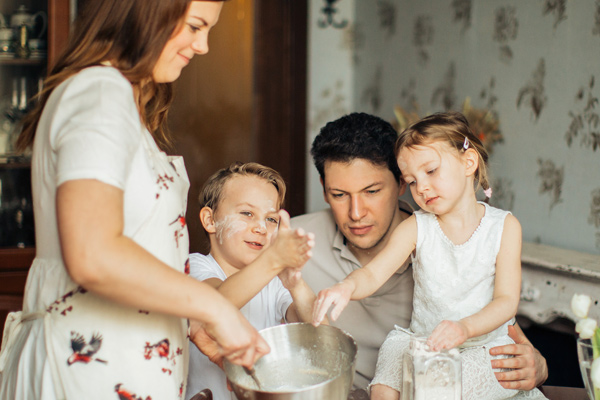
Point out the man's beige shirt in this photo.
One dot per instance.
(368, 320)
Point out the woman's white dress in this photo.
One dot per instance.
(68, 343)
(452, 282)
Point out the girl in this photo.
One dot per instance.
(107, 303)
(465, 254)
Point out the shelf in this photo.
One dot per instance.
(15, 259)
(23, 61)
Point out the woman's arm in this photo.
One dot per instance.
(364, 281)
(101, 259)
(503, 307)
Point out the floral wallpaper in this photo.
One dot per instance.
(533, 64)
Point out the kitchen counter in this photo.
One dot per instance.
(551, 276)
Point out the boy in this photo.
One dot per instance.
(251, 244)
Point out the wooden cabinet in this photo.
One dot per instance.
(15, 262)
(16, 71)
(14, 265)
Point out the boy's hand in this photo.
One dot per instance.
(290, 277)
(447, 335)
(337, 296)
(293, 248)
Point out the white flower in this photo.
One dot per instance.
(580, 305)
(586, 327)
(595, 372)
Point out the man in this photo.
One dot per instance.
(354, 156)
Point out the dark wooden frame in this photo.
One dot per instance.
(58, 28)
(280, 92)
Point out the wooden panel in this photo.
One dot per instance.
(212, 111)
(58, 28)
(16, 259)
(14, 265)
(280, 92)
(12, 283)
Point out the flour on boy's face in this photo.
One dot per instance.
(245, 220)
(229, 226)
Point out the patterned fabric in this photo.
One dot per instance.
(69, 343)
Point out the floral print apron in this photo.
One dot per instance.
(98, 349)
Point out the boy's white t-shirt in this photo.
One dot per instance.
(264, 310)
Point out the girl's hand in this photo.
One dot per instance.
(447, 335)
(291, 247)
(337, 296)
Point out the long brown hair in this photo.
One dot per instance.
(131, 35)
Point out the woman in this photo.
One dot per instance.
(106, 301)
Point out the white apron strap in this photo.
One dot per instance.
(12, 327)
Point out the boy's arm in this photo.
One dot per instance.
(242, 286)
(290, 249)
(301, 308)
(503, 307)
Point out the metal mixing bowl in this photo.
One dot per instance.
(305, 363)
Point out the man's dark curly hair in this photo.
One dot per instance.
(356, 135)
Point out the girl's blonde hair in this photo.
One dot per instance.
(212, 191)
(451, 127)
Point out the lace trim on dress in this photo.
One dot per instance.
(450, 242)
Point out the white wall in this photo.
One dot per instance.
(551, 54)
(330, 81)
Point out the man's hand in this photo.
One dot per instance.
(209, 347)
(206, 344)
(216, 352)
(529, 368)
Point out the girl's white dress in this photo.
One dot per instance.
(451, 283)
(68, 343)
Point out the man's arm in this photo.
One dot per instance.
(529, 368)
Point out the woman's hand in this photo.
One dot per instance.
(336, 296)
(447, 335)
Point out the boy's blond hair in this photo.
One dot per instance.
(212, 190)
